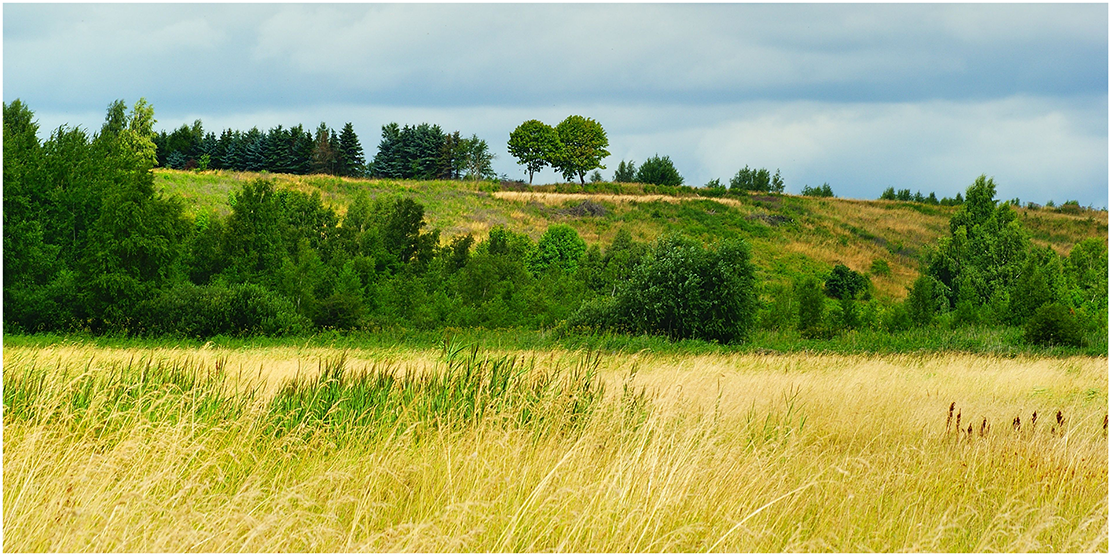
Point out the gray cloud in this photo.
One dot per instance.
(862, 96)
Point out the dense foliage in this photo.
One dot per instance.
(583, 145)
(658, 171)
(90, 245)
(291, 151)
(535, 145)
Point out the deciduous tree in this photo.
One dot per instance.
(534, 144)
(584, 146)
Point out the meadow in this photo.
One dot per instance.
(308, 447)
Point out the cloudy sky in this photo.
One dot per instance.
(925, 97)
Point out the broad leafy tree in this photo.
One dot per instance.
(584, 146)
(478, 158)
(534, 144)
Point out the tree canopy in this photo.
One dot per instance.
(584, 145)
(535, 145)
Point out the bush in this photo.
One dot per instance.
(925, 300)
(897, 319)
(559, 247)
(812, 308)
(253, 309)
(685, 291)
(1054, 325)
(204, 311)
(845, 283)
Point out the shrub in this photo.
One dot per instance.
(897, 319)
(559, 247)
(1053, 325)
(844, 283)
(925, 300)
(683, 291)
(253, 309)
(811, 306)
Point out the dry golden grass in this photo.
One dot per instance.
(561, 198)
(734, 453)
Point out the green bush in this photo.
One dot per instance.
(897, 319)
(684, 291)
(559, 247)
(812, 308)
(1054, 325)
(844, 283)
(205, 311)
(925, 300)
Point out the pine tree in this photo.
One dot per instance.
(351, 152)
(388, 161)
(323, 155)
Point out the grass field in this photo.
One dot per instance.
(308, 448)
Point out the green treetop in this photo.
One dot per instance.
(584, 146)
(534, 144)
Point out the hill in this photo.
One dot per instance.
(790, 235)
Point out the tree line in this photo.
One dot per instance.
(411, 152)
(90, 245)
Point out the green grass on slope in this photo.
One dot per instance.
(791, 236)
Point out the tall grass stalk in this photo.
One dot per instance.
(548, 450)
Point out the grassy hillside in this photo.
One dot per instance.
(790, 235)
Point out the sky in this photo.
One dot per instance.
(923, 97)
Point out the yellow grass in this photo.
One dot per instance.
(736, 453)
(561, 198)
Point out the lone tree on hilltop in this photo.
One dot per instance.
(534, 144)
(584, 146)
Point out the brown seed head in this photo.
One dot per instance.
(1017, 423)
(1034, 419)
(1060, 419)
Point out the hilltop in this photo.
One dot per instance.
(791, 235)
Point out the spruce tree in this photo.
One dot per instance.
(352, 161)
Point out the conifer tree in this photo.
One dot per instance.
(352, 161)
